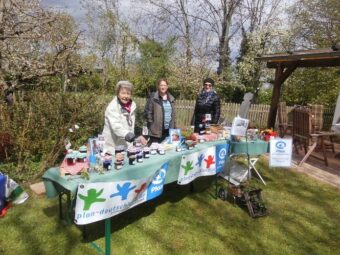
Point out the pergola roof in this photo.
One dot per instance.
(304, 58)
(286, 63)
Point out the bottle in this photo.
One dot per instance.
(201, 129)
(92, 160)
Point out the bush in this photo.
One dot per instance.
(38, 124)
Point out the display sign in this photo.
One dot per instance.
(175, 135)
(222, 153)
(239, 126)
(280, 152)
(102, 200)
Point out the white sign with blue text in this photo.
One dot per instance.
(280, 152)
(222, 153)
(102, 200)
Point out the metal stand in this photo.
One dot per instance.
(108, 236)
(253, 161)
(107, 239)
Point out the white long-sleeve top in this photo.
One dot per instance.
(118, 123)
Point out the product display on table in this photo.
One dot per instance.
(239, 126)
(175, 135)
(93, 158)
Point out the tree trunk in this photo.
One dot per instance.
(228, 9)
(188, 53)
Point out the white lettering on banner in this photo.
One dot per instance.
(159, 178)
(108, 211)
(156, 188)
(222, 154)
(98, 201)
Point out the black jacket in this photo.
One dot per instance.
(154, 114)
(207, 103)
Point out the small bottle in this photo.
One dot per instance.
(153, 148)
(118, 164)
(140, 157)
(146, 152)
(92, 160)
(161, 149)
(132, 156)
(201, 129)
(107, 161)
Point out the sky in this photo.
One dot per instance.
(72, 7)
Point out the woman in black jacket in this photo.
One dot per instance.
(208, 106)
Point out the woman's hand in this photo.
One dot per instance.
(142, 140)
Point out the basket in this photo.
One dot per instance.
(215, 128)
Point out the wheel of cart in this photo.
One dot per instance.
(222, 193)
(235, 173)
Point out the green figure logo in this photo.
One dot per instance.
(92, 197)
(188, 167)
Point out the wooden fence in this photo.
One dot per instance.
(258, 113)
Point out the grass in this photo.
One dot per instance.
(304, 219)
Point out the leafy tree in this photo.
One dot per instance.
(315, 86)
(314, 24)
(260, 25)
(111, 40)
(152, 65)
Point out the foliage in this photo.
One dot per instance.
(315, 23)
(265, 96)
(229, 88)
(153, 64)
(250, 70)
(39, 125)
(110, 40)
(315, 86)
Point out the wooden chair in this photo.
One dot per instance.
(317, 111)
(305, 136)
(284, 126)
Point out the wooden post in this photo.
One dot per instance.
(275, 97)
(281, 75)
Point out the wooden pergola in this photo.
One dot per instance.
(286, 63)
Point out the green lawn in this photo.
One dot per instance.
(304, 219)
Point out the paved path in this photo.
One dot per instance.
(315, 172)
(319, 174)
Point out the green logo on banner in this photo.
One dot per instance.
(92, 197)
(188, 167)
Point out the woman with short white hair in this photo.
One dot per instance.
(120, 119)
